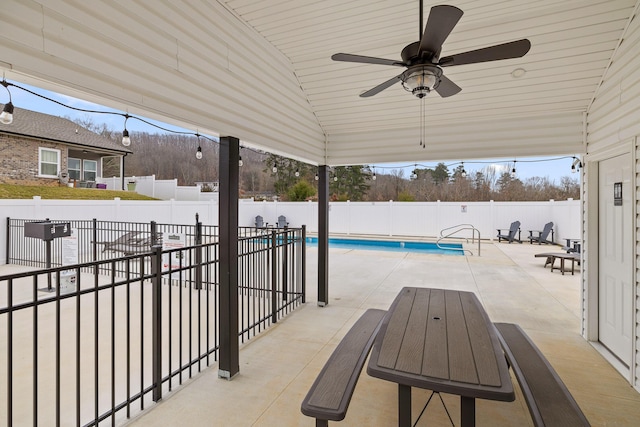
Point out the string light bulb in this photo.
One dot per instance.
(464, 172)
(317, 177)
(297, 173)
(6, 117)
(199, 150)
(513, 170)
(374, 176)
(126, 140)
(274, 169)
(240, 162)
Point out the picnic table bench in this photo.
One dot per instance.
(330, 394)
(549, 401)
(132, 242)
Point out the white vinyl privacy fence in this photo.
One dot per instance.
(417, 219)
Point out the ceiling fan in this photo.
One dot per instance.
(422, 58)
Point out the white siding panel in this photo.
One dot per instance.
(206, 70)
(558, 134)
(613, 119)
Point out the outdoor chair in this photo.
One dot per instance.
(543, 235)
(282, 221)
(260, 222)
(511, 235)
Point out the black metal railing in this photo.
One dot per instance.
(115, 335)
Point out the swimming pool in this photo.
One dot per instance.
(392, 245)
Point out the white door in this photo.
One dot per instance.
(615, 257)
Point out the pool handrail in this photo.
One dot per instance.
(459, 228)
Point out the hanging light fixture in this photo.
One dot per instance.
(421, 79)
(6, 117)
(576, 165)
(513, 170)
(317, 177)
(274, 169)
(297, 173)
(374, 176)
(240, 162)
(126, 140)
(199, 150)
(464, 172)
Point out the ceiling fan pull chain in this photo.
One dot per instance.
(421, 122)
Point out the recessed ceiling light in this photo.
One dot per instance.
(518, 72)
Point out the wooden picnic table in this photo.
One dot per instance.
(562, 256)
(441, 340)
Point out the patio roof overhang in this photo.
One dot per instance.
(261, 71)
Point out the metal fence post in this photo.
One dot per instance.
(156, 314)
(95, 239)
(303, 267)
(198, 254)
(274, 278)
(285, 263)
(154, 233)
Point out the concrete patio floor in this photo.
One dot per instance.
(277, 368)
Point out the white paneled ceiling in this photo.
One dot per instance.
(308, 106)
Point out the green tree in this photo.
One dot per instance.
(440, 174)
(350, 182)
(509, 188)
(287, 172)
(301, 191)
(482, 186)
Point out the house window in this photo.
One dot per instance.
(90, 170)
(49, 162)
(74, 168)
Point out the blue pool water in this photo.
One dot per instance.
(389, 245)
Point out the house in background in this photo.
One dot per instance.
(40, 149)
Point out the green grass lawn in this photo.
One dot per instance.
(8, 191)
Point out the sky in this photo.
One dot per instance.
(553, 168)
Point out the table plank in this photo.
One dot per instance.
(411, 350)
(461, 365)
(394, 332)
(436, 363)
(482, 345)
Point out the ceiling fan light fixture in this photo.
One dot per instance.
(421, 79)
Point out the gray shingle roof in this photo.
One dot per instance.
(53, 128)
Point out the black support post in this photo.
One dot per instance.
(8, 248)
(229, 364)
(323, 235)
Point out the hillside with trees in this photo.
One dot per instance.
(265, 176)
